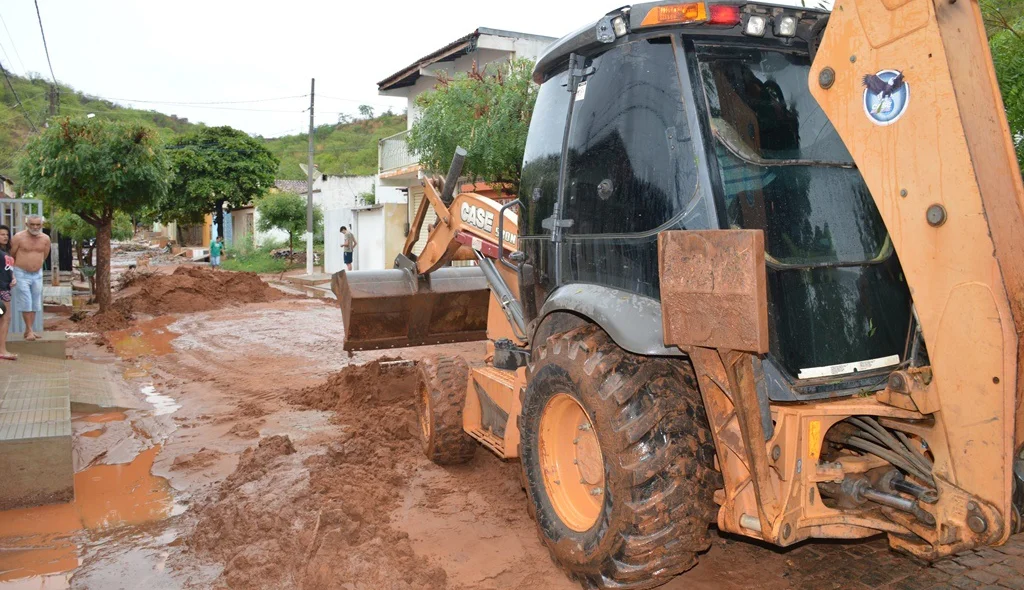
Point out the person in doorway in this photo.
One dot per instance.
(7, 281)
(216, 249)
(348, 245)
(29, 248)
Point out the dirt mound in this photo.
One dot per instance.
(113, 319)
(323, 521)
(386, 379)
(193, 288)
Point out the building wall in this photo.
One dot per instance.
(243, 226)
(395, 224)
(369, 230)
(340, 192)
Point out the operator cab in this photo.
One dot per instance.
(668, 116)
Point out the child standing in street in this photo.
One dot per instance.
(216, 249)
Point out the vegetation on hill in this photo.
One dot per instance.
(33, 92)
(344, 149)
(349, 147)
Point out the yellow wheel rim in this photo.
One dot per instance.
(425, 412)
(571, 461)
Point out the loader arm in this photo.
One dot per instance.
(421, 302)
(946, 181)
(471, 222)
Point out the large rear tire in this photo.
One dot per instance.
(641, 516)
(442, 394)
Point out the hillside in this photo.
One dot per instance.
(15, 129)
(349, 148)
(345, 149)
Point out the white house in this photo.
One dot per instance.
(399, 172)
(337, 196)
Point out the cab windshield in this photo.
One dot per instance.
(782, 166)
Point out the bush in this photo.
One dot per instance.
(259, 260)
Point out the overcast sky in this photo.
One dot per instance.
(189, 51)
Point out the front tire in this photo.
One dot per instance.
(441, 396)
(654, 474)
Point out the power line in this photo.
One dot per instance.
(231, 109)
(13, 46)
(45, 48)
(24, 111)
(189, 103)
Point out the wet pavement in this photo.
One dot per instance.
(47, 539)
(211, 385)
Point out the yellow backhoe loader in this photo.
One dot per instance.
(765, 271)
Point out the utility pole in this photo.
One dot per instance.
(309, 185)
(54, 238)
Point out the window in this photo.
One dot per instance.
(631, 165)
(542, 157)
(782, 165)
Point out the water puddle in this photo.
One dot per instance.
(94, 433)
(162, 404)
(102, 418)
(150, 338)
(40, 541)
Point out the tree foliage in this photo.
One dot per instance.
(287, 212)
(1004, 21)
(213, 167)
(77, 229)
(488, 113)
(348, 148)
(96, 168)
(32, 92)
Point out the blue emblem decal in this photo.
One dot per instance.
(886, 96)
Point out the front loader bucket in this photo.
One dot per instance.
(396, 308)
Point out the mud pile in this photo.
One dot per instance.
(113, 319)
(192, 288)
(293, 519)
(387, 379)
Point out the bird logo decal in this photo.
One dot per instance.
(886, 96)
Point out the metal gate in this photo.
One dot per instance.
(14, 211)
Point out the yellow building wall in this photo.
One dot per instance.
(207, 229)
(396, 218)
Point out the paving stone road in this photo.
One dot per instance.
(736, 563)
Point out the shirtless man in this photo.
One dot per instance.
(29, 248)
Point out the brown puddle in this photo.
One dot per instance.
(102, 418)
(145, 338)
(39, 541)
(94, 433)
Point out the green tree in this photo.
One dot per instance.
(214, 166)
(1004, 21)
(366, 111)
(488, 114)
(96, 168)
(287, 212)
(82, 234)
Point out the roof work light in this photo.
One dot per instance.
(785, 26)
(755, 26)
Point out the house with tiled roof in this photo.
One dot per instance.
(399, 172)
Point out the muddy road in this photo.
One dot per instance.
(263, 456)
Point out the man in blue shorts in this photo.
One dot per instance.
(29, 249)
(348, 245)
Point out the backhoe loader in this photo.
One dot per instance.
(765, 271)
